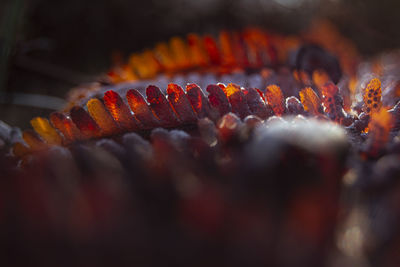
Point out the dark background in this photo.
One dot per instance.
(49, 46)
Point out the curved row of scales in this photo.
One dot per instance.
(112, 115)
(250, 48)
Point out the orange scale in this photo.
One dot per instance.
(119, 111)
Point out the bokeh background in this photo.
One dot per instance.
(47, 46)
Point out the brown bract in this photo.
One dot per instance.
(310, 101)
(275, 99)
